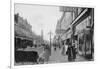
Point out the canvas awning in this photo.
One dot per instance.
(81, 17)
(66, 35)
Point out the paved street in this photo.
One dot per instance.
(57, 57)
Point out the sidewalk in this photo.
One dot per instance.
(57, 57)
(80, 58)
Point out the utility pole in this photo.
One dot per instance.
(42, 36)
(42, 33)
(50, 33)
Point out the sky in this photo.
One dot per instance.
(40, 17)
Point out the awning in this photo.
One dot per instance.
(66, 36)
(81, 17)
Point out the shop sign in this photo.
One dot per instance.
(66, 9)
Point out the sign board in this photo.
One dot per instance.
(67, 9)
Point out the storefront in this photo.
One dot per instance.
(23, 38)
(84, 42)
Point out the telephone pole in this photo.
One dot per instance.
(50, 33)
(42, 34)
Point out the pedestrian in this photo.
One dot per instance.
(73, 52)
(63, 50)
(55, 48)
(70, 51)
(74, 48)
(66, 48)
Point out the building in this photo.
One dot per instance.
(83, 30)
(79, 29)
(63, 24)
(23, 33)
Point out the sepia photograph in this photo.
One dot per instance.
(45, 34)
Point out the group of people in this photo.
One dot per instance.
(70, 50)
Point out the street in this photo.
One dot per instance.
(57, 57)
(53, 34)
